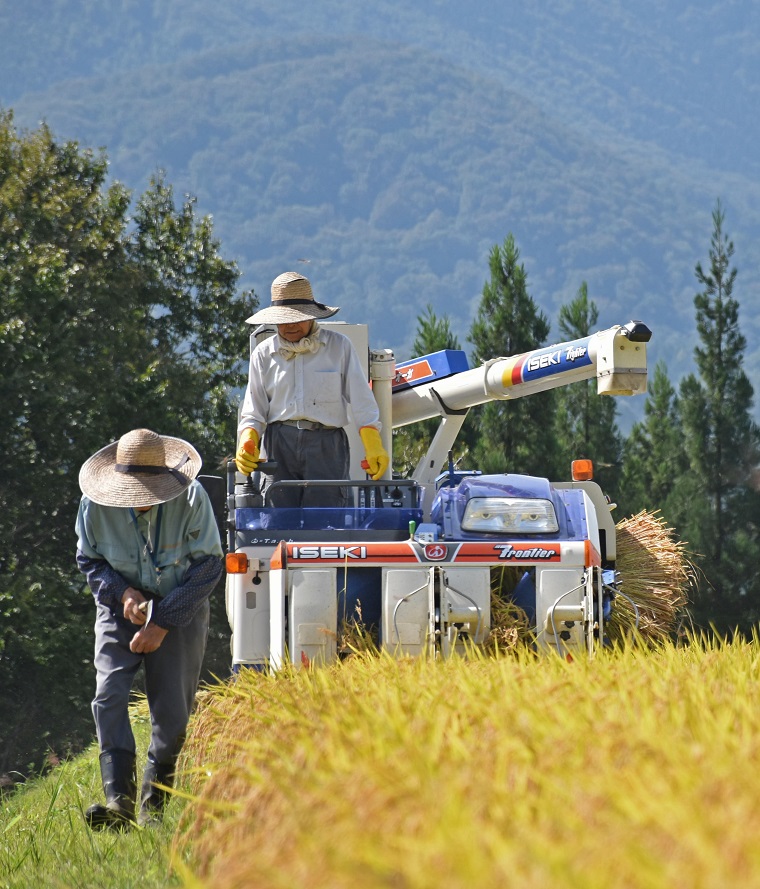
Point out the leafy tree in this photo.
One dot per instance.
(106, 323)
(585, 423)
(655, 459)
(720, 518)
(510, 436)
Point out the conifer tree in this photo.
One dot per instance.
(510, 436)
(719, 508)
(433, 334)
(654, 458)
(585, 423)
(411, 442)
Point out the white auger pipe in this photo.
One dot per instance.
(617, 357)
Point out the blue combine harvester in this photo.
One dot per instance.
(413, 558)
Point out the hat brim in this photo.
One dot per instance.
(289, 315)
(102, 484)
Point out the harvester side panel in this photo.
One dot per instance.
(407, 605)
(248, 609)
(312, 615)
(465, 603)
(560, 606)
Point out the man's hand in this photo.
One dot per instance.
(376, 457)
(247, 456)
(148, 639)
(131, 600)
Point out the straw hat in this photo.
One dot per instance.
(292, 301)
(142, 468)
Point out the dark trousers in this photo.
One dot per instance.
(307, 455)
(171, 681)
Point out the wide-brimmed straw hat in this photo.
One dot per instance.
(292, 301)
(142, 468)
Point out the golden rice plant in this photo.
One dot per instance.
(355, 637)
(654, 575)
(637, 769)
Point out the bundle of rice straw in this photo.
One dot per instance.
(510, 626)
(654, 572)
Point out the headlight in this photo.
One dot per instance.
(506, 515)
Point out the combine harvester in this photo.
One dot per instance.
(414, 556)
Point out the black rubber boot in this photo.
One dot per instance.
(117, 770)
(153, 799)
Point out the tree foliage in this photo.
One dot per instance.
(411, 442)
(585, 424)
(510, 436)
(721, 442)
(107, 323)
(654, 453)
(433, 334)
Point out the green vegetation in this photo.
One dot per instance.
(45, 841)
(587, 424)
(392, 146)
(113, 316)
(510, 436)
(636, 769)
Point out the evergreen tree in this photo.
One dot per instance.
(719, 508)
(655, 459)
(433, 334)
(510, 436)
(585, 423)
(411, 442)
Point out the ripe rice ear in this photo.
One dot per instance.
(655, 574)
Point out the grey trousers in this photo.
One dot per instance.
(305, 454)
(172, 673)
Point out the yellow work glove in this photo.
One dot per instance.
(247, 457)
(376, 457)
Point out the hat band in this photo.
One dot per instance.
(133, 468)
(297, 302)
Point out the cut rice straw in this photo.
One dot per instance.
(655, 574)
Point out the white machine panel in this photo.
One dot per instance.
(312, 615)
(560, 600)
(407, 606)
(465, 596)
(247, 599)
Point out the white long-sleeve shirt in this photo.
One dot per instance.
(311, 386)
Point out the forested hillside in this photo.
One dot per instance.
(386, 149)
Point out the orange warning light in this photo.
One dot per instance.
(582, 470)
(236, 563)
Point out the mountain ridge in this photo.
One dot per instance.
(394, 170)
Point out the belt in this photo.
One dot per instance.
(311, 425)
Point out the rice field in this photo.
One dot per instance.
(640, 768)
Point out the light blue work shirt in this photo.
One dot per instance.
(153, 550)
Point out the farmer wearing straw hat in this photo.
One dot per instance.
(149, 546)
(300, 384)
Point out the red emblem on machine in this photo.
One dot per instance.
(435, 552)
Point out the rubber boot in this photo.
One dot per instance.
(153, 799)
(117, 771)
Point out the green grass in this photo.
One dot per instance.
(44, 841)
(638, 769)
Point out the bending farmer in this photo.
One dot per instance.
(300, 384)
(149, 548)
